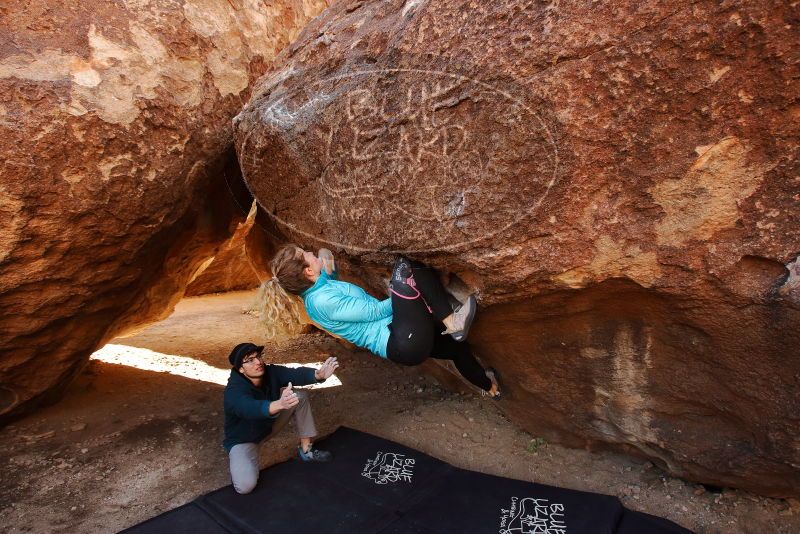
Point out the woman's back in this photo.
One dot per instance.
(347, 311)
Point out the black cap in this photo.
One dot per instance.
(240, 351)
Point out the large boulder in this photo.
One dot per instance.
(617, 182)
(115, 134)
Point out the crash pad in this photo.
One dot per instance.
(374, 485)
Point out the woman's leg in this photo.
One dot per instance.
(446, 348)
(414, 334)
(426, 283)
(412, 337)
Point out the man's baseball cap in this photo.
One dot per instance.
(240, 351)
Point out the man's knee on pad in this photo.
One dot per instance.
(245, 485)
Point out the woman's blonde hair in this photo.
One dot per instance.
(280, 308)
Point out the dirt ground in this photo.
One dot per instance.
(127, 443)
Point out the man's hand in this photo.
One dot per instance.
(288, 398)
(327, 369)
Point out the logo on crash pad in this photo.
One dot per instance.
(388, 468)
(532, 516)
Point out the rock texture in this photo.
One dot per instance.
(230, 269)
(618, 182)
(115, 127)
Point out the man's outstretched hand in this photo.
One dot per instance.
(288, 398)
(327, 369)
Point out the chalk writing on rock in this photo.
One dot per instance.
(447, 159)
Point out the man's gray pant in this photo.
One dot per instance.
(244, 456)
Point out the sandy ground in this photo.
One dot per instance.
(127, 443)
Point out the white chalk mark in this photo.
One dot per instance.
(420, 150)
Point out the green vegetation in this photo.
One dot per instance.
(535, 443)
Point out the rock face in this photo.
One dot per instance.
(617, 182)
(230, 269)
(115, 129)
(243, 261)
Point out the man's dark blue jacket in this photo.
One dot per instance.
(247, 418)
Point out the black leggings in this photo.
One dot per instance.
(417, 324)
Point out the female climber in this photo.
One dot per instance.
(404, 328)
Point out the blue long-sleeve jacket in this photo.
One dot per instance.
(247, 418)
(347, 311)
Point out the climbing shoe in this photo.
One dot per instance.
(314, 455)
(462, 319)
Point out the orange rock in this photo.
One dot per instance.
(617, 182)
(230, 269)
(115, 129)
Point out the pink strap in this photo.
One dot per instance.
(405, 297)
(412, 283)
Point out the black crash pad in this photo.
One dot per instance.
(376, 486)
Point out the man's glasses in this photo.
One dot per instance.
(251, 359)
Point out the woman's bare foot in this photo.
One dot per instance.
(494, 392)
